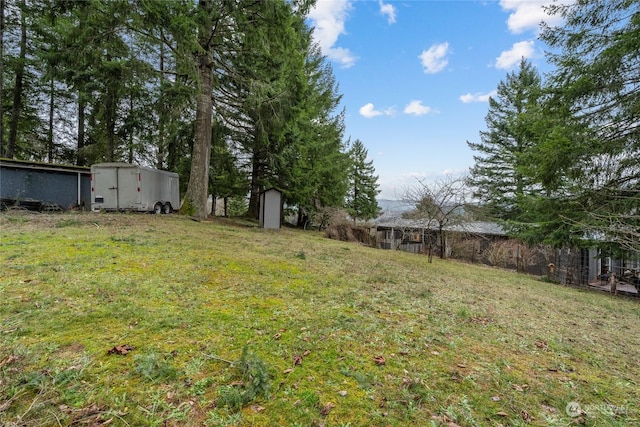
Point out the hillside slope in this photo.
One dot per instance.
(160, 320)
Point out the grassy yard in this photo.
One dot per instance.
(135, 320)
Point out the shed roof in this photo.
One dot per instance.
(22, 164)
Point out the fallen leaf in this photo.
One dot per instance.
(326, 409)
(496, 398)
(443, 419)
(277, 336)
(502, 414)
(8, 360)
(121, 349)
(257, 408)
(525, 416)
(297, 360)
(306, 353)
(342, 393)
(484, 321)
(287, 371)
(379, 360)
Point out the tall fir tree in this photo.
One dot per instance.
(589, 159)
(361, 201)
(313, 175)
(497, 175)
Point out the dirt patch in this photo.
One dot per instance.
(70, 350)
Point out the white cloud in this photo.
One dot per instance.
(528, 14)
(369, 111)
(389, 10)
(328, 19)
(416, 108)
(477, 97)
(509, 58)
(434, 59)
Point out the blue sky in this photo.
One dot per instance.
(416, 75)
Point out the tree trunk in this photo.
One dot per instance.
(196, 198)
(256, 188)
(131, 132)
(17, 91)
(1, 79)
(160, 156)
(80, 158)
(110, 120)
(50, 130)
(443, 243)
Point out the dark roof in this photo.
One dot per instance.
(22, 164)
(473, 227)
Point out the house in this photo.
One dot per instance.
(392, 231)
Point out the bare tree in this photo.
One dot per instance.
(438, 205)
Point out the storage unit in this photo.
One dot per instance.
(127, 187)
(270, 209)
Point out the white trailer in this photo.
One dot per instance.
(127, 187)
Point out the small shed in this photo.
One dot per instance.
(271, 209)
(44, 186)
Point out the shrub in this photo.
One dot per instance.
(254, 381)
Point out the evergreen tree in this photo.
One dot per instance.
(497, 176)
(590, 159)
(314, 170)
(361, 200)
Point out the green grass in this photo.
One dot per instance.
(233, 325)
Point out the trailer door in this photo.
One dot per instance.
(105, 188)
(128, 188)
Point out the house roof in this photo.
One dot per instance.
(472, 227)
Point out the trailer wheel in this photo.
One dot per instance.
(157, 208)
(167, 209)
